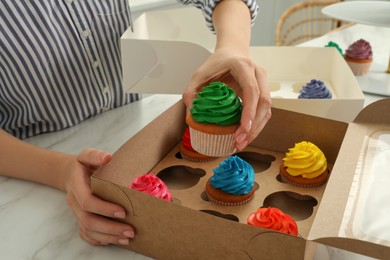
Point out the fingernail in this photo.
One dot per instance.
(250, 125)
(241, 137)
(119, 214)
(129, 234)
(242, 145)
(123, 241)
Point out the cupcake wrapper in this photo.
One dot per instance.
(359, 68)
(227, 203)
(211, 144)
(283, 179)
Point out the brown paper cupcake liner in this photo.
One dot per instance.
(229, 203)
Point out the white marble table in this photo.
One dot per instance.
(35, 221)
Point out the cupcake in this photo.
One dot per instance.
(315, 89)
(187, 152)
(274, 219)
(151, 184)
(232, 183)
(334, 45)
(214, 119)
(305, 165)
(359, 57)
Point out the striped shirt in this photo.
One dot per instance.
(60, 61)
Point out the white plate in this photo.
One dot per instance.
(365, 12)
(376, 81)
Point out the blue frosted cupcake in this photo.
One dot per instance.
(232, 183)
(315, 89)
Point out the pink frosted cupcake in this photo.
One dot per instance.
(151, 184)
(359, 57)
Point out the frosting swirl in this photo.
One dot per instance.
(151, 184)
(234, 176)
(186, 140)
(275, 219)
(335, 45)
(359, 50)
(217, 104)
(315, 89)
(305, 159)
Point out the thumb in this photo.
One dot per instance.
(188, 96)
(94, 158)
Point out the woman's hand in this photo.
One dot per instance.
(241, 73)
(93, 214)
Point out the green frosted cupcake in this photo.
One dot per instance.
(214, 119)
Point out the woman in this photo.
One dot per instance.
(61, 65)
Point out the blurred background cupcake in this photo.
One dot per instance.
(359, 57)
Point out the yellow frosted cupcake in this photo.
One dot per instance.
(214, 119)
(305, 165)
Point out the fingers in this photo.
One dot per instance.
(256, 102)
(263, 111)
(97, 229)
(95, 216)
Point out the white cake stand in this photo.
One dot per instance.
(375, 13)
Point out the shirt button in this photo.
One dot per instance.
(85, 34)
(96, 64)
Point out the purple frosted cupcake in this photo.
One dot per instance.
(359, 57)
(315, 89)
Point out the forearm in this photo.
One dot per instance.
(232, 23)
(21, 160)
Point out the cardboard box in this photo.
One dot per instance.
(168, 46)
(184, 230)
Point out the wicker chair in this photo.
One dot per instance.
(302, 22)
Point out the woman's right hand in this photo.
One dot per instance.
(95, 216)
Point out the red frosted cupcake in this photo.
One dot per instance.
(151, 184)
(188, 153)
(274, 219)
(359, 57)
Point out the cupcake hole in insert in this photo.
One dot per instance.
(181, 177)
(221, 215)
(296, 87)
(204, 196)
(260, 162)
(178, 155)
(298, 209)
